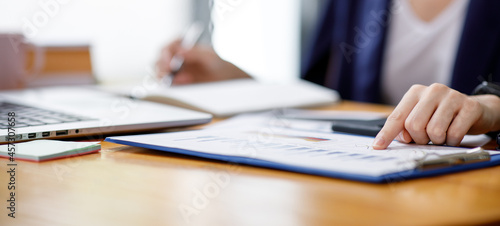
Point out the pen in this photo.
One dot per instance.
(190, 38)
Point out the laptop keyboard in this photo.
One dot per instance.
(33, 116)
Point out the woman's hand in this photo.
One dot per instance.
(201, 64)
(439, 114)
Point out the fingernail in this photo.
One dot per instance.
(379, 142)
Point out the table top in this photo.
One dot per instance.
(125, 185)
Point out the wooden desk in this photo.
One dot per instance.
(124, 185)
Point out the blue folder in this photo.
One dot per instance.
(387, 178)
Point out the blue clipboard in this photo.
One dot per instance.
(493, 160)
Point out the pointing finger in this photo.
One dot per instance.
(396, 120)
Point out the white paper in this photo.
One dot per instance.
(276, 119)
(475, 140)
(271, 118)
(332, 115)
(333, 152)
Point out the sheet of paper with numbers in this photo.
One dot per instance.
(275, 146)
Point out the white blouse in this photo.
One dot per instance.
(419, 52)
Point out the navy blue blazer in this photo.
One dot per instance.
(347, 50)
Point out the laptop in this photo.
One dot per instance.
(63, 112)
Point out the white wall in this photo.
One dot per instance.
(261, 37)
(126, 35)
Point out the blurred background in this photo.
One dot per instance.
(264, 38)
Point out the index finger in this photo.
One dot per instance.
(396, 120)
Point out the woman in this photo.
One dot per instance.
(375, 51)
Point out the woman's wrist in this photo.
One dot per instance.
(235, 72)
(491, 116)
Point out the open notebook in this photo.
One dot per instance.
(231, 97)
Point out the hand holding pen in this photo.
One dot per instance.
(185, 62)
(176, 61)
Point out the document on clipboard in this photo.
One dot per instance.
(326, 154)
